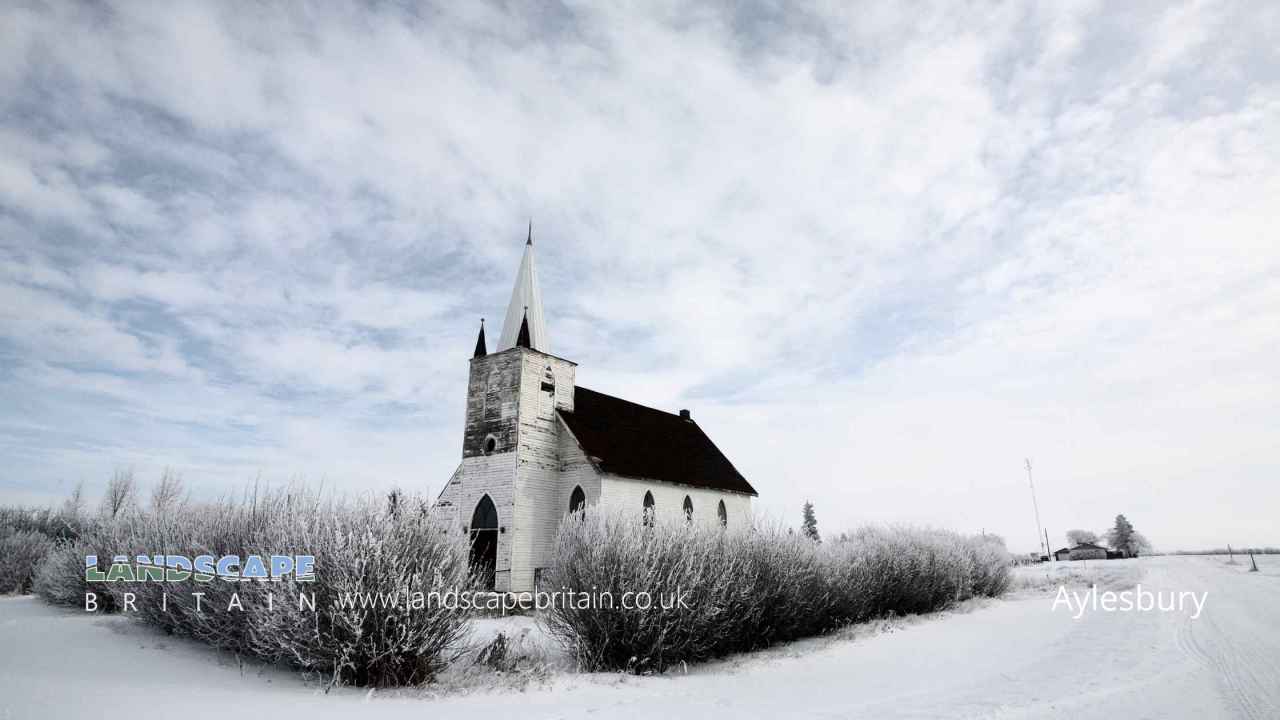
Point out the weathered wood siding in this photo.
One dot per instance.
(546, 384)
(492, 398)
(492, 475)
(552, 488)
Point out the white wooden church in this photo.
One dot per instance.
(536, 446)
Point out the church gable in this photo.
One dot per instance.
(632, 440)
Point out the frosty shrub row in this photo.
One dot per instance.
(751, 588)
(737, 590)
(359, 547)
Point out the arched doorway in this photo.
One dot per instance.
(649, 511)
(688, 510)
(724, 515)
(484, 542)
(577, 500)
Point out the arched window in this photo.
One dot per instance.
(577, 500)
(490, 444)
(484, 542)
(724, 515)
(688, 509)
(649, 510)
(485, 516)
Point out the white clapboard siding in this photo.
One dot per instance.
(621, 494)
(492, 475)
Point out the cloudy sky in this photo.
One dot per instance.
(882, 253)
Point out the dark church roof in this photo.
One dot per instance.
(637, 441)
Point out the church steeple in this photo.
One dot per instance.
(525, 308)
(522, 340)
(481, 347)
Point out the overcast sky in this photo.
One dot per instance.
(882, 254)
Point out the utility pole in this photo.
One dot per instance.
(1047, 547)
(1036, 506)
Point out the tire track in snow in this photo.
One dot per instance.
(1222, 670)
(1248, 673)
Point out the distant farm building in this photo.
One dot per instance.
(1062, 554)
(1088, 551)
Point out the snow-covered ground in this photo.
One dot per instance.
(1014, 658)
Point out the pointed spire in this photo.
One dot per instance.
(522, 340)
(481, 347)
(525, 305)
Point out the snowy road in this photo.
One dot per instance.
(1010, 659)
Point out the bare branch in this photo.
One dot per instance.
(121, 493)
(169, 492)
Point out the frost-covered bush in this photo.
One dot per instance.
(56, 524)
(27, 536)
(20, 553)
(612, 556)
(786, 590)
(711, 591)
(913, 570)
(59, 578)
(359, 548)
(992, 566)
(364, 549)
(744, 589)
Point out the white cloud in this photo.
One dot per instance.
(882, 254)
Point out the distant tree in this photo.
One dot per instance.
(1139, 545)
(121, 492)
(394, 501)
(810, 524)
(168, 492)
(1122, 536)
(73, 506)
(1079, 537)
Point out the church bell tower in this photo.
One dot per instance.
(504, 492)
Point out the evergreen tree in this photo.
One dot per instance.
(1122, 536)
(810, 524)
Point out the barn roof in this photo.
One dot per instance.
(637, 441)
